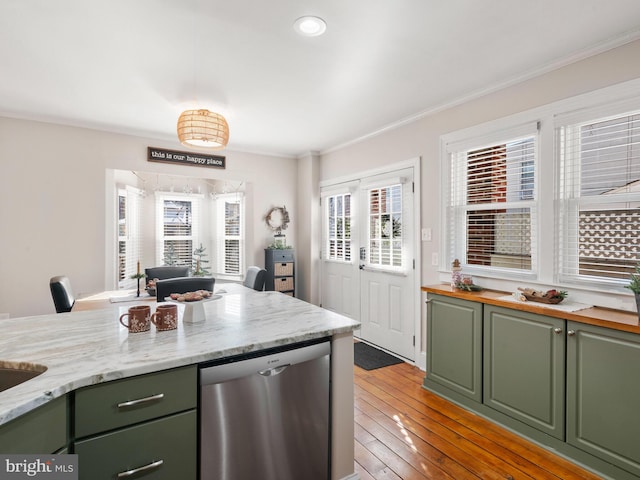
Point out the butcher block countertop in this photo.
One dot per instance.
(599, 316)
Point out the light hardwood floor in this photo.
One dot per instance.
(405, 432)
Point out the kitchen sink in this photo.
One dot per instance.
(15, 373)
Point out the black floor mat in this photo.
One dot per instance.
(370, 358)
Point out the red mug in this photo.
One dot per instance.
(139, 318)
(165, 317)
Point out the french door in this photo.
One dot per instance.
(368, 258)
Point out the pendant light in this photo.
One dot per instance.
(203, 128)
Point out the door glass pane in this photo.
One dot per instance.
(385, 225)
(338, 246)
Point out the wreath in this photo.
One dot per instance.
(277, 219)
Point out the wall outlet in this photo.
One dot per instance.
(435, 260)
(426, 234)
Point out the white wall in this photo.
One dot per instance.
(53, 194)
(420, 138)
(54, 203)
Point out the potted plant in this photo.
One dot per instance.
(634, 286)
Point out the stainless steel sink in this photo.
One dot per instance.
(15, 373)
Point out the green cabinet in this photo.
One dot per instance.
(144, 426)
(454, 345)
(43, 430)
(603, 394)
(570, 386)
(524, 365)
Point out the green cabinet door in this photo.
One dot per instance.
(603, 394)
(524, 367)
(454, 346)
(43, 430)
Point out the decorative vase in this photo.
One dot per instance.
(456, 273)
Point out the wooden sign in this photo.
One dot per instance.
(185, 158)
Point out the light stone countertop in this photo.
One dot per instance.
(90, 347)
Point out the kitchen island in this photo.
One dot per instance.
(80, 349)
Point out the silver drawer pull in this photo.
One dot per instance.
(131, 403)
(133, 471)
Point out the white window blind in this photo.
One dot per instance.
(491, 203)
(599, 193)
(230, 234)
(129, 235)
(178, 227)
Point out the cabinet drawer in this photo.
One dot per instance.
(283, 269)
(168, 447)
(123, 402)
(283, 284)
(43, 430)
(282, 255)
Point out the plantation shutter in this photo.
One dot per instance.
(177, 227)
(129, 235)
(338, 230)
(230, 234)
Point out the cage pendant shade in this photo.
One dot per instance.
(202, 128)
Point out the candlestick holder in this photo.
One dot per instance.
(138, 276)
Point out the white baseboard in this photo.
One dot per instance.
(353, 476)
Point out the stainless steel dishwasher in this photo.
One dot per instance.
(267, 416)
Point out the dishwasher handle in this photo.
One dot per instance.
(272, 372)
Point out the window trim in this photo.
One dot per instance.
(196, 227)
(133, 239)
(351, 188)
(455, 205)
(221, 237)
(622, 94)
(571, 202)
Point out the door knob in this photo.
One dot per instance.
(557, 330)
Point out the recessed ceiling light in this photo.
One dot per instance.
(310, 26)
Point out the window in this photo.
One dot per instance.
(385, 226)
(491, 206)
(122, 235)
(230, 229)
(129, 241)
(599, 191)
(178, 228)
(339, 227)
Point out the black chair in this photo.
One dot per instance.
(255, 278)
(162, 273)
(182, 285)
(63, 297)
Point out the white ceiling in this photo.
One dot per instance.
(132, 66)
